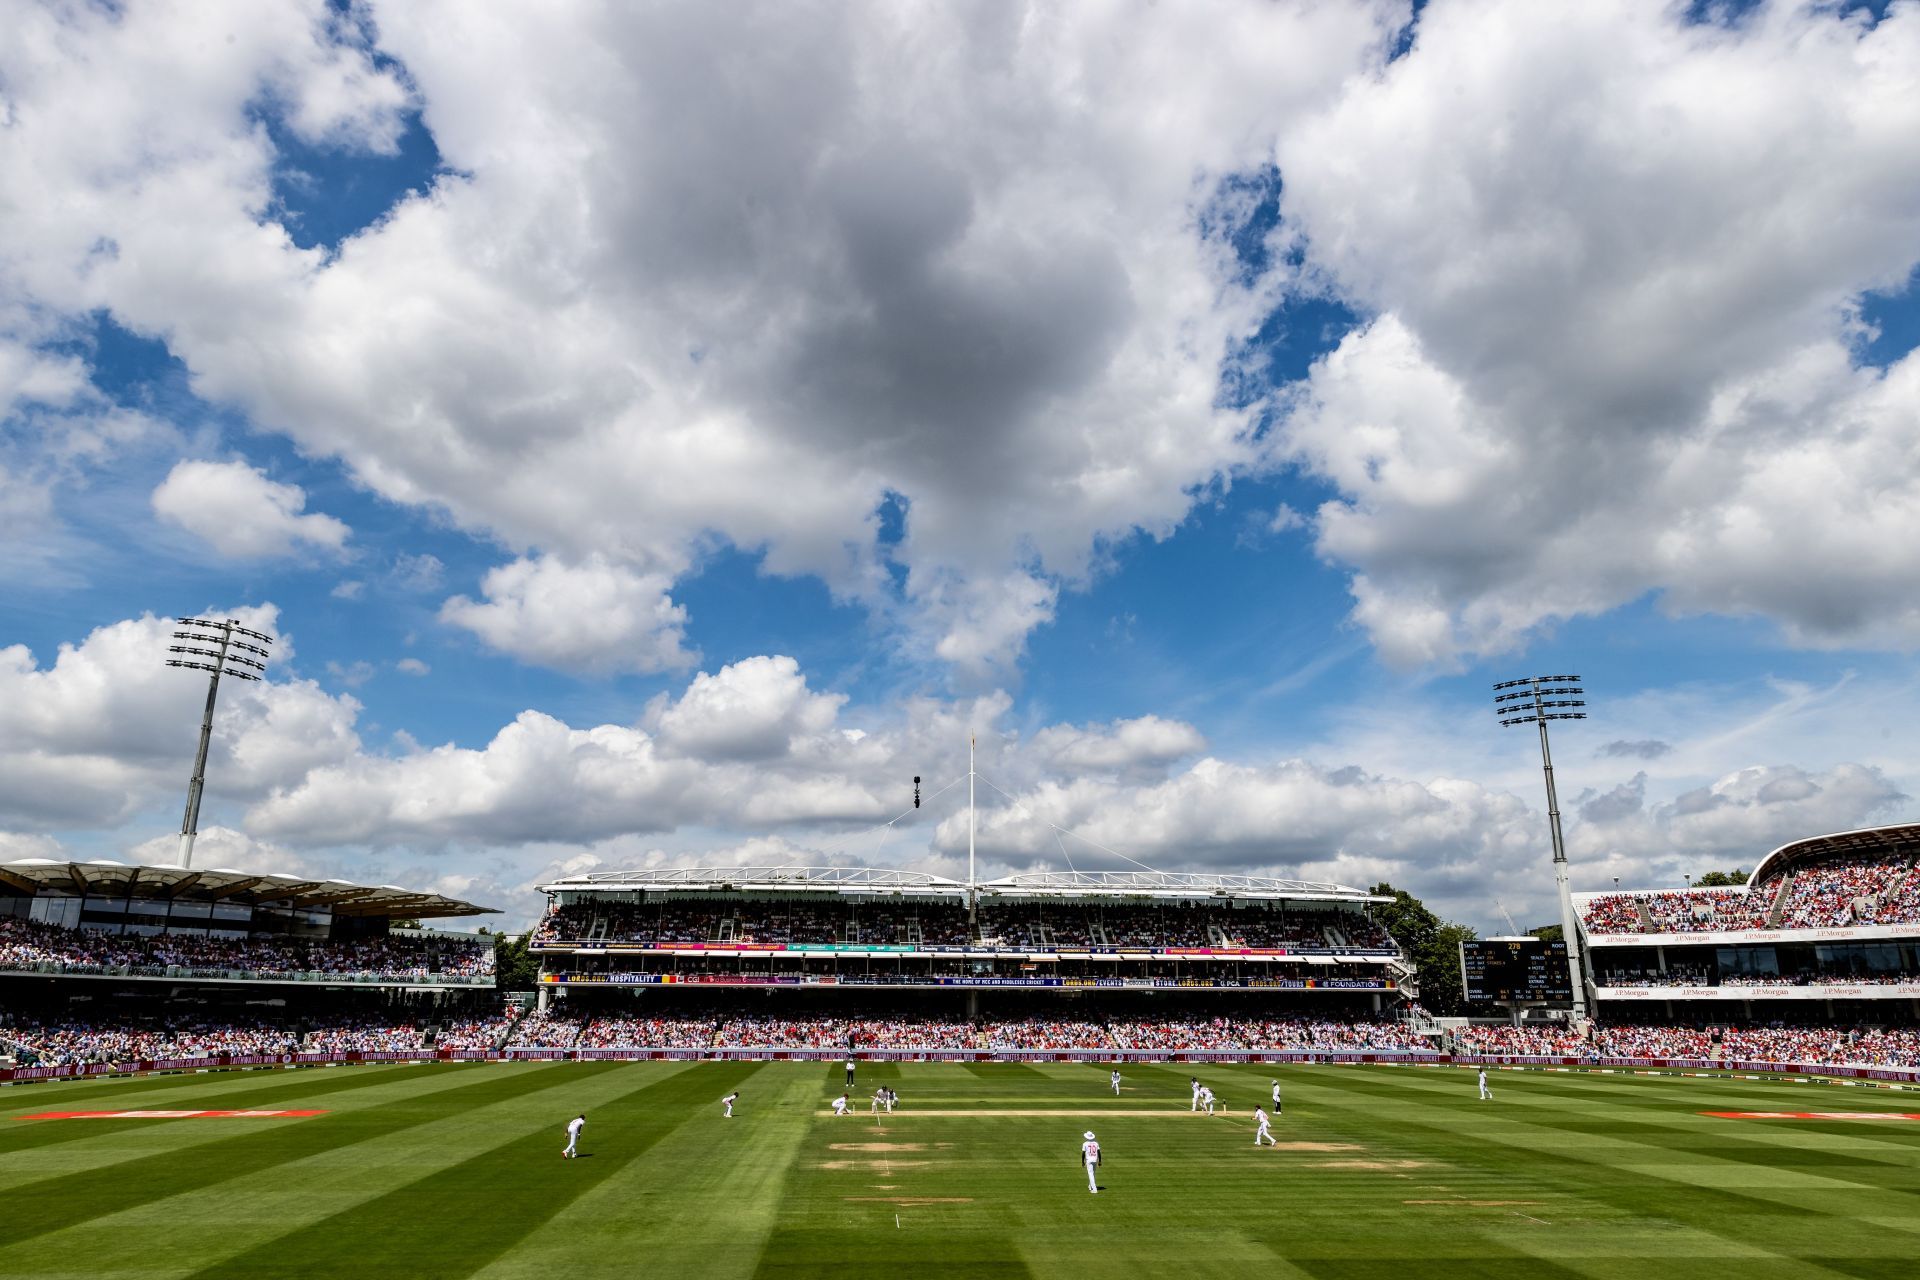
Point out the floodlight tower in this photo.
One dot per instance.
(1531, 701)
(228, 657)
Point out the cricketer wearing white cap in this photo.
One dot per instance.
(1090, 1157)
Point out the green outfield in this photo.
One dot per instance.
(455, 1170)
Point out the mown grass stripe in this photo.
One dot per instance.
(50, 1204)
(102, 1143)
(231, 1095)
(455, 1220)
(1654, 1186)
(1600, 1178)
(251, 1211)
(708, 1172)
(1681, 1134)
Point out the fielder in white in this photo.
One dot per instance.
(1206, 1099)
(1090, 1157)
(1195, 1082)
(840, 1105)
(1260, 1115)
(1276, 1097)
(728, 1102)
(574, 1126)
(1114, 1078)
(1486, 1094)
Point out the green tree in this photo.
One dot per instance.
(1549, 933)
(1719, 879)
(1431, 943)
(515, 968)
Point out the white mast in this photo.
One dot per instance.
(972, 895)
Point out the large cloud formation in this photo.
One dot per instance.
(978, 265)
(1613, 291)
(676, 284)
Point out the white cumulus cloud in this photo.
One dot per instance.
(698, 274)
(1612, 289)
(595, 615)
(239, 512)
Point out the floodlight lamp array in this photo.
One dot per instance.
(226, 624)
(235, 672)
(230, 659)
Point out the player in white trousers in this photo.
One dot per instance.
(1195, 1082)
(840, 1105)
(1090, 1157)
(574, 1126)
(1206, 1099)
(728, 1102)
(1486, 1094)
(1113, 1078)
(1260, 1116)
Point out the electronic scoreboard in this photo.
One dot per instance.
(1515, 971)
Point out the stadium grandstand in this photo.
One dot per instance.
(838, 957)
(104, 966)
(1826, 928)
(108, 963)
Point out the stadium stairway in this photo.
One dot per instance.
(1646, 920)
(1779, 908)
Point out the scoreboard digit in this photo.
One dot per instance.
(1515, 971)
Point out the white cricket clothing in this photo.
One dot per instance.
(1263, 1132)
(1485, 1093)
(1276, 1095)
(1090, 1157)
(839, 1106)
(727, 1102)
(574, 1126)
(1196, 1096)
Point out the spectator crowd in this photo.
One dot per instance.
(73, 1039)
(64, 1040)
(1022, 926)
(1832, 893)
(34, 945)
(1828, 1045)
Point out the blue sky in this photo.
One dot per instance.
(628, 490)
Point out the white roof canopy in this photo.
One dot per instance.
(884, 881)
(102, 877)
